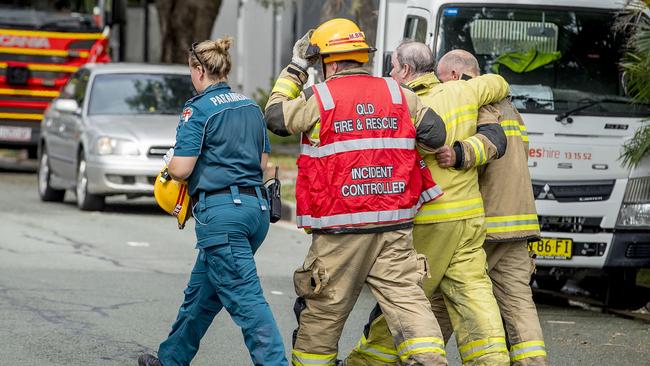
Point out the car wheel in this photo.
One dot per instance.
(45, 190)
(86, 201)
(32, 153)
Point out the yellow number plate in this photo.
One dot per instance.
(552, 248)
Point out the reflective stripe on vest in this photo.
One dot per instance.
(415, 346)
(380, 353)
(307, 359)
(393, 88)
(325, 96)
(371, 217)
(528, 349)
(514, 128)
(328, 101)
(356, 145)
(481, 347)
(450, 210)
(506, 224)
(361, 131)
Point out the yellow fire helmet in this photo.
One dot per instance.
(172, 196)
(339, 39)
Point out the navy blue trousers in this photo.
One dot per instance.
(225, 276)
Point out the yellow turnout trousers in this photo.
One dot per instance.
(457, 265)
(330, 280)
(510, 267)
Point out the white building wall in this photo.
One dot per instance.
(251, 25)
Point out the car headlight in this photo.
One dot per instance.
(635, 210)
(114, 146)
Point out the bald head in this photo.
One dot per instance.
(456, 63)
(410, 60)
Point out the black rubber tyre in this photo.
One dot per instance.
(620, 289)
(45, 190)
(86, 201)
(32, 152)
(550, 283)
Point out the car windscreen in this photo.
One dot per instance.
(555, 59)
(115, 94)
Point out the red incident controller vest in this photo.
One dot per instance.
(366, 169)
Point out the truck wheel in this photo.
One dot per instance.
(550, 283)
(86, 201)
(45, 190)
(621, 291)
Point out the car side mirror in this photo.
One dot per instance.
(67, 106)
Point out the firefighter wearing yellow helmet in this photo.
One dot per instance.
(352, 197)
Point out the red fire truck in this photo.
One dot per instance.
(42, 43)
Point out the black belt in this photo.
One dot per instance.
(249, 191)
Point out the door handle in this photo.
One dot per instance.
(61, 128)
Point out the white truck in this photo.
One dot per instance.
(561, 58)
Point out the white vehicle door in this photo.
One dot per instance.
(70, 124)
(55, 127)
(418, 25)
(389, 33)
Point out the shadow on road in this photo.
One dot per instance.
(17, 166)
(144, 206)
(122, 205)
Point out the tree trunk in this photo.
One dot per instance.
(362, 12)
(183, 22)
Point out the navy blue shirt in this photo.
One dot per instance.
(227, 132)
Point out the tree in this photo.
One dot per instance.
(636, 68)
(183, 22)
(363, 12)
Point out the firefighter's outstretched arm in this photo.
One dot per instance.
(430, 128)
(489, 143)
(288, 110)
(489, 88)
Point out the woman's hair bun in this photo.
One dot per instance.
(223, 44)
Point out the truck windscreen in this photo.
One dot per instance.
(60, 15)
(555, 59)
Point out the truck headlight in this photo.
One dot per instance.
(635, 210)
(112, 146)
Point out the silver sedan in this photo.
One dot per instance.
(108, 130)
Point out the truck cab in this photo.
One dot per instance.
(561, 58)
(43, 43)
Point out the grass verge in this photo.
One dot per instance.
(643, 277)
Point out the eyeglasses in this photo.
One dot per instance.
(193, 51)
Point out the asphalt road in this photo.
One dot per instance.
(80, 288)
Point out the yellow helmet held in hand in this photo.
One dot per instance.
(172, 196)
(340, 39)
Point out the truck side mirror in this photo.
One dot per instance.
(67, 106)
(387, 66)
(624, 83)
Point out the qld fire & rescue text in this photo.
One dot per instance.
(368, 123)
